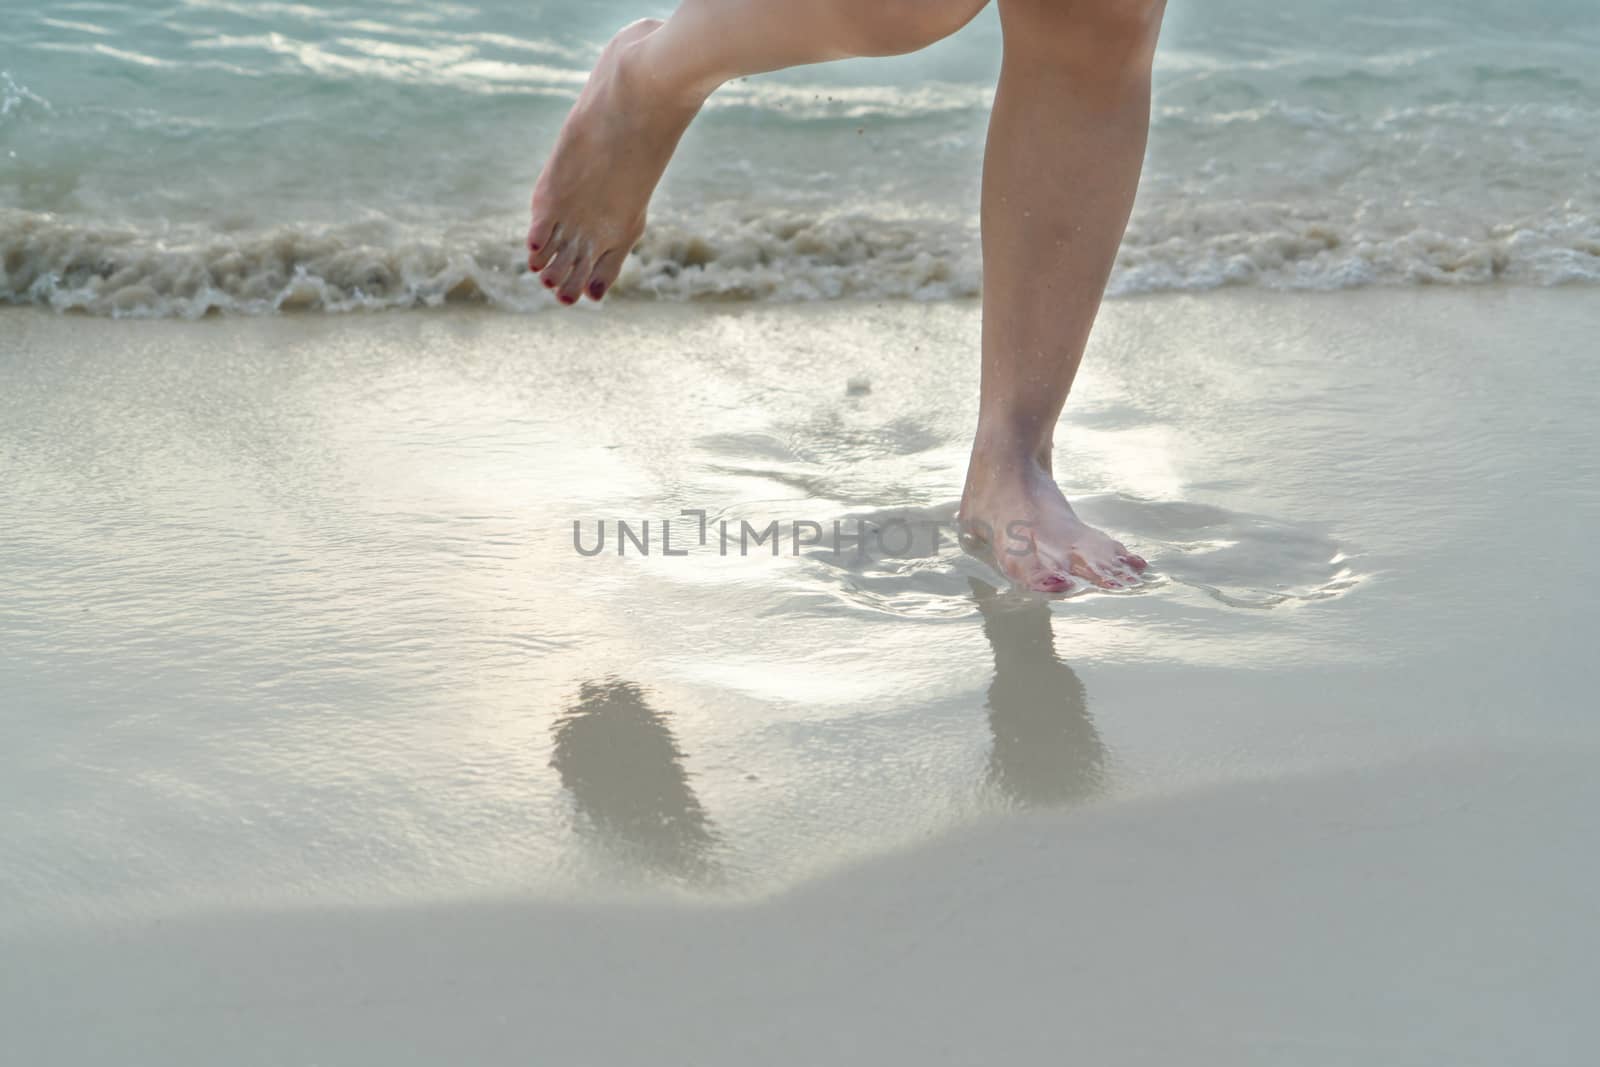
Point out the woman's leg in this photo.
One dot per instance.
(1066, 142)
(589, 203)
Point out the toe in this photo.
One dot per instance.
(539, 237)
(1081, 568)
(539, 259)
(1131, 560)
(573, 287)
(1052, 582)
(556, 271)
(560, 287)
(604, 276)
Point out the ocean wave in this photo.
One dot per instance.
(123, 271)
(127, 271)
(18, 99)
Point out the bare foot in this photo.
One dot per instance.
(1037, 540)
(589, 203)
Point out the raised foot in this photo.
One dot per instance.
(1036, 538)
(589, 202)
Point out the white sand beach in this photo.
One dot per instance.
(323, 744)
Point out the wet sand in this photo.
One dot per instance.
(326, 743)
(1438, 911)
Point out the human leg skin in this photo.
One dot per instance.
(590, 200)
(1066, 144)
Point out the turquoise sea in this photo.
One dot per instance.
(171, 158)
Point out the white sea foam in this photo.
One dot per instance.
(125, 271)
(15, 97)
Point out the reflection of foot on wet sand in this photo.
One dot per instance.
(1046, 748)
(617, 757)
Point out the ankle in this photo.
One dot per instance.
(655, 69)
(1008, 451)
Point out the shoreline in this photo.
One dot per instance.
(635, 302)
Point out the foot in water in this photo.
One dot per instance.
(589, 203)
(1037, 540)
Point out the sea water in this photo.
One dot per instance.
(168, 159)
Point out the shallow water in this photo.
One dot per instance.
(170, 159)
(290, 610)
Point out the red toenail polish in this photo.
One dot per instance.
(532, 247)
(597, 290)
(565, 299)
(548, 284)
